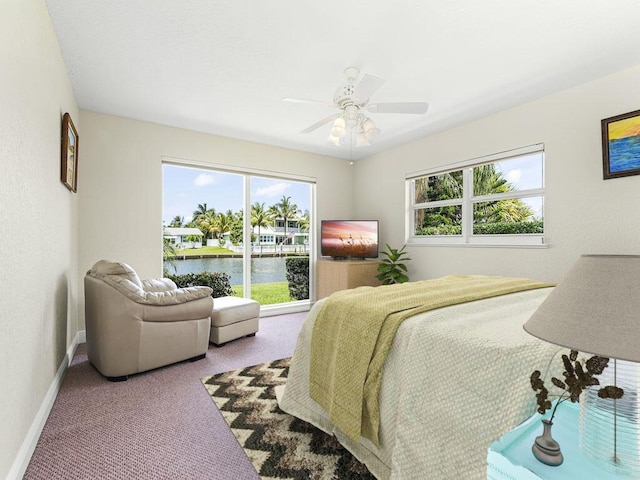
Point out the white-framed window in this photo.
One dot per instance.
(496, 200)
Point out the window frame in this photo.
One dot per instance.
(248, 173)
(467, 237)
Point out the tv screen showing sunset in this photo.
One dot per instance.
(349, 239)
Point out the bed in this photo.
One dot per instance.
(454, 380)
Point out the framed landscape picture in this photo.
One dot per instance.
(621, 145)
(69, 162)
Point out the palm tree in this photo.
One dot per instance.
(177, 222)
(224, 222)
(200, 212)
(438, 187)
(304, 222)
(260, 218)
(237, 227)
(488, 180)
(285, 210)
(169, 253)
(208, 223)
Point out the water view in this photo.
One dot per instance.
(263, 269)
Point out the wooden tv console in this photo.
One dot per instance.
(335, 275)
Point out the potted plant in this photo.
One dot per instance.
(392, 269)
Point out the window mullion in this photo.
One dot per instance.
(438, 203)
(246, 238)
(467, 207)
(538, 192)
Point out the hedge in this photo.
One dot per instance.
(298, 277)
(219, 282)
(498, 228)
(516, 228)
(441, 230)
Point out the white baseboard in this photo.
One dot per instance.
(21, 462)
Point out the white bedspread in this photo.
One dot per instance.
(455, 380)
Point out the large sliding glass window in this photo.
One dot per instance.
(264, 253)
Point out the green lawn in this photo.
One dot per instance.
(204, 251)
(266, 293)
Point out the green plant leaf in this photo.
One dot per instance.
(392, 269)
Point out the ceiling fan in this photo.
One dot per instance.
(352, 100)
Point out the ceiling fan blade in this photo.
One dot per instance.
(303, 100)
(417, 108)
(368, 85)
(320, 123)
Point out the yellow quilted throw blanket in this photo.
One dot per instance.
(355, 328)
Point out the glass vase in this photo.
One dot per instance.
(609, 429)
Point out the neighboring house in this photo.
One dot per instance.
(294, 234)
(276, 235)
(184, 237)
(273, 237)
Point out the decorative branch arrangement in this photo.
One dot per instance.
(576, 379)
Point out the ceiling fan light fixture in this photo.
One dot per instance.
(337, 130)
(352, 99)
(361, 140)
(335, 140)
(371, 134)
(369, 129)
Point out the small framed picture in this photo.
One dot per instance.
(69, 164)
(621, 145)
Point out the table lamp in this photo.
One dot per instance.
(596, 309)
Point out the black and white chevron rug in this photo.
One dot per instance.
(279, 445)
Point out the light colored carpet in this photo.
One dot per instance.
(158, 425)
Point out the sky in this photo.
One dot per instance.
(525, 173)
(185, 187)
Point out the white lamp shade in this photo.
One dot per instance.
(361, 140)
(337, 130)
(595, 308)
(335, 140)
(361, 137)
(370, 129)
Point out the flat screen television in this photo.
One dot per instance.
(349, 238)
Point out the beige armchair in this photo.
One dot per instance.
(133, 325)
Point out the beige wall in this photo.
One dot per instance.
(583, 213)
(121, 179)
(39, 294)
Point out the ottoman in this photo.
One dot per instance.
(232, 318)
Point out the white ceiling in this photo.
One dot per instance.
(223, 66)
